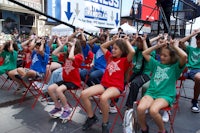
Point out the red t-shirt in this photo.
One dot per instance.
(115, 71)
(71, 69)
(27, 58)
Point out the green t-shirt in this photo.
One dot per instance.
(55, 58)
(147, 70)
(163, 80)
(193, 57)
(137, 60)
(10, 61)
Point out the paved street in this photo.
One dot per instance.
(21, 118)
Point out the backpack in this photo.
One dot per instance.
(128, 121)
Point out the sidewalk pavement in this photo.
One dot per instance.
(21, 118)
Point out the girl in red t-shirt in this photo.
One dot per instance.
(71, 78)
(112, 83)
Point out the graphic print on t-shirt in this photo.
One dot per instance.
(35, 59)
(160, 75)
(7, 59)
(195, 56)
(99, 53)
(113, 67)
(68, 66)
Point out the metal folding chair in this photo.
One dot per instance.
(6, 80)
(120, 103)
(74, 93)
(171, 111)
(33, 88)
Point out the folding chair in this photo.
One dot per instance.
(122, 96)
(75, 95)
(33, 88)
(181, 80)
(6, 80)
(171, 111)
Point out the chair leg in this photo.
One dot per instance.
(5, 80)
(118, 113)
(78, 102)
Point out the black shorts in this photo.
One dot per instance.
(69, 85)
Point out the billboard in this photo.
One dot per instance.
(150, 10)
(100, 13)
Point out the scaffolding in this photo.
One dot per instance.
(184, 12)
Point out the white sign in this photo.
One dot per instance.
(31, 3)
(100, 13)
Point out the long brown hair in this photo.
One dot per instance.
(77, 50)
(172, 53)
(122, 46)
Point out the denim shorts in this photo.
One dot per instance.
(191, 73)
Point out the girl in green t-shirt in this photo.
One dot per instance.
(162, 90)
(8, 57)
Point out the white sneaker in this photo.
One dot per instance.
(146, 111)
(165, 116)
(113, 109)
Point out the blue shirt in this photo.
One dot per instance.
(85, 50)
(39, 62)
(99, 59)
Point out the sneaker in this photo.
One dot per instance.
(89, 122)
(54, 111)
(65, 114)
(112, 110)
(146, 111)
(105, 127)
(195, 106)
(50, 102)
(165, 116)
(19, 89)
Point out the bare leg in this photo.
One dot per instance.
(60, 92)
(196, 86)
(52, 93)
(87, 93)
(144, 104)
(12, 74)
(104, 98)
(157, 105)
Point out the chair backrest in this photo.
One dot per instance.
(179, 83)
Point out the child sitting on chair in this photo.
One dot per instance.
(8, 56)
(71, 78)
(37, 69)
(162, 90)
(112, 83)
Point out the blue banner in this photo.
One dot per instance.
(54, 9)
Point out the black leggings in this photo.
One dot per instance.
(135, 85)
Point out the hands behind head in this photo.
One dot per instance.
(171, 42)
(196, 31)
(174, 43)
(116, 37)
(73, 42)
